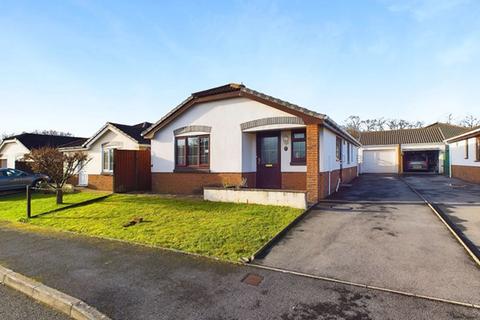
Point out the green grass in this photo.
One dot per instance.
(14, 207)
(224, 230)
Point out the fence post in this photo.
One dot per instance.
(29, 202)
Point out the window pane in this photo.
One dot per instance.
(299, 135)
(269, 150)
(193, 150)
(298, 148)
(110, 159)
(105, 160)
(339, 149)
(181, 152)
(204, 150)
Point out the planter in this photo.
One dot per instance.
(289, 198)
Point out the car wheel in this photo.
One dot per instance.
(37, 183)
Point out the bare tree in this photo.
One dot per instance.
(58, 166)
(470, 121)
(51, 132)
(353, 125)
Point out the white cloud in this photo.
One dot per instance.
(423, 10)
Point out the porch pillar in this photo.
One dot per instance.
(313, 170)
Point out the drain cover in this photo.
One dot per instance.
(252, 279)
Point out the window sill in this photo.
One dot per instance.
(192, 170)
(107, 173)
(298, 163)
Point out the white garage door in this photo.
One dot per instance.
(379, 161)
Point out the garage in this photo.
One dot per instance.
(426, 161)
(380, 161)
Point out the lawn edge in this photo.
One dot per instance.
(269, 244)
(53, 298)
(469, 247)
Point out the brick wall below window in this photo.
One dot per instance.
(100, 182)
(467, 173)
(294, 181)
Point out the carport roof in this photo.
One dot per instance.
(434, 133)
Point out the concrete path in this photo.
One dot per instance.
(15, 306)
(397, 243)
(134, 282)
(458, 199)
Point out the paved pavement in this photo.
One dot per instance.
(133, 282)
(398, 243)
(458, 199)
(15, 305)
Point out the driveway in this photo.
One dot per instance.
(458, 199)
(378, 232)
(134, 282)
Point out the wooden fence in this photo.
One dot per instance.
(132, 171)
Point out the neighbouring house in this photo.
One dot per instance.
(14, 148)
(465, 155)
(230, 135)
(407, 150)
(106, 148)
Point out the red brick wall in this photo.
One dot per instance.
(312, 178)
(467, 173)
(100, 182)
(193, 183)
(294, 181)
(348, 174)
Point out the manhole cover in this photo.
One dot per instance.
(252, 279)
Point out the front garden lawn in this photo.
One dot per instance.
(224, 230)
(14, 207)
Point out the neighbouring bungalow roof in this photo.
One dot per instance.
(233, 90)
(434, 133)
(134, 131)
(474, 132)
(35, 141)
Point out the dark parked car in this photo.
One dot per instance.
(417, 162)
(11, 179)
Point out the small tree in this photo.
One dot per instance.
(60, 167)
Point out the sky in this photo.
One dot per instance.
(72, 65)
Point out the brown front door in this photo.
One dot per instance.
(268, 160)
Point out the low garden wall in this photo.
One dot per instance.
(289, 198)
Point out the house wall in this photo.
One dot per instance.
(226, 138)
(110, 138)
(13, 151)
(330, 167)
(465, 169)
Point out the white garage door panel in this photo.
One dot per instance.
(379, 161)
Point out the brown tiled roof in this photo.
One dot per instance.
(434, 133)
(242, 89)
(449, 130)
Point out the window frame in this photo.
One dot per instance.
(194, 166)
(477, 145)
(466, 149)
(338, 149)
(110, 159)
(293, 160)
(349, 156)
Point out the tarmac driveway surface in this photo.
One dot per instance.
(458, 199)
(378, 232)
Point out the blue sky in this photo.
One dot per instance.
(73, 65)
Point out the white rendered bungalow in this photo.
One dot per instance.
(232, 134)
(98, 173)
(465, 156)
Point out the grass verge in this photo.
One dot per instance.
(226, 231)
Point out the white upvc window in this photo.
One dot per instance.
(107, 159)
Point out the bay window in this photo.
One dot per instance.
(192, 151)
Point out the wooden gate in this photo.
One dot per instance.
(132, 171)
